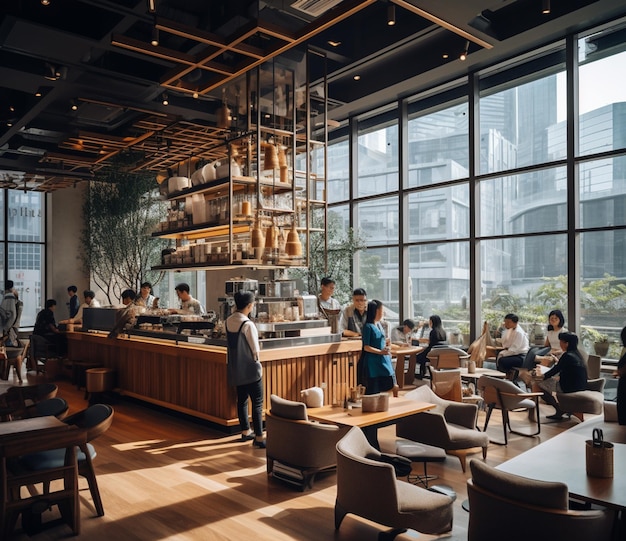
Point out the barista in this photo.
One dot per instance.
(145, 295)
(188, 305)
(353, 317)
(325, 300)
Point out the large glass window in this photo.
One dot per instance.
(441, 213)
(378, 220)
(519, 125)
(602, 96)
(525, 203)
(338, 172)
(25, 249)
(378, 273)
(603, 192)
(438, 146)
(377, 160)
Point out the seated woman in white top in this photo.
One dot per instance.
(556, 325)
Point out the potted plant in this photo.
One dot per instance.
(464, 329)
(599, 340)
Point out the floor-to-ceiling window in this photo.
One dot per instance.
(548, 177)
(24, 247)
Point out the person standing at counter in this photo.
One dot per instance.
(244, 370)
(188, 305)
(325, 300)
(90, 302)
(74, 301)
(353, 317)
(46, 327)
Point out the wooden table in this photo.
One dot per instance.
(400, 352)
(481, 372)
(398, 407)
(562, 458)
(11, 430)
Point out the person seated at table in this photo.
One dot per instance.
(556, 325)
(515, 345)
(353, 317)
(436, 337)
(572, 374)
(402, 334)
(46, 327)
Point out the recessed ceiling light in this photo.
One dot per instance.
(11, 108)
(195, 95)
(334, 43)
(445, 55)
(74, 106)
(45, 2)
(357, 77)
(165, 100)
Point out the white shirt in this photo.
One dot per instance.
(79, 315)
(515, 341)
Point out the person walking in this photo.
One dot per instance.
(244, 370)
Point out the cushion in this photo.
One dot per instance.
(521, 489)
(52, 459)
(288, 409)
(313, 397)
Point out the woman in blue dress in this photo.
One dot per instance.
(377, 355)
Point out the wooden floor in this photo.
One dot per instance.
(166, 477)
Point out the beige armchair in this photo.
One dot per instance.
(507, 506)
(449, 425)
(304, 447)
(369, 488)
(580, 402)
(443, 357)
(504, 395)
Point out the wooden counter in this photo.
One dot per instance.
(191, 378)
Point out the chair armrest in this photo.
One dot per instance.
(521, 395)
(462, 414)
(596, 384)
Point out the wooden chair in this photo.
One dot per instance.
(94, 421)
(446, 384)
(12, 479)
(16, 399)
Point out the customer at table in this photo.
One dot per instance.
(353, 317)
(325, 299)
(243, 369)
(515, 344)
(376, 352)
(46, 327)
(402, 334)
(436, 337)
(556, 325)
(621, 385)
(572, 374)
(188, 305)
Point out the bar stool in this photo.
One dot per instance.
(98, 381)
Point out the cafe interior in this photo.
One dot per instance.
(474, 143)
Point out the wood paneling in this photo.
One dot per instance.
(192, 379)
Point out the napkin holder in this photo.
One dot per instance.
(599, 456)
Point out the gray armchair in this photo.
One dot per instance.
(507, 506)
(580, 402)
(449, 425)
(304, 447)
(504, 395)
(369, 488)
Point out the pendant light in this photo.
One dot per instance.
(224, 116)
(293, 247)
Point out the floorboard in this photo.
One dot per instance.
(167, 477)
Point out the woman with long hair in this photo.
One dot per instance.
(556, 325)
(436, 337)
(377, 355)
(572, 374)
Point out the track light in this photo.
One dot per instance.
(152, 6)
(465, 52)
(545, 9)
(195, 95)
(391, 14)
(165, 100)
(73, 105)
(38, 93)
(155, 37)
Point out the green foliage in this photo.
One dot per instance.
(342, 245)
(121, 209)
(603, 296)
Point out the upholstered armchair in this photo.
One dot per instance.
(369, 488)
(304, 447)
(580, 402)
(515, 508)
(449, 425)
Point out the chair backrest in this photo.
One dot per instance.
(447, 384)
(56, 407)
(507, 506)
(95, 420)
(288, 409)
(491, 388)
(594, 364)
(38, 347)
(444, 357)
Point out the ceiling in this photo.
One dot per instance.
(97, 56)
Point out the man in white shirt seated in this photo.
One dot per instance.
(515, 344)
